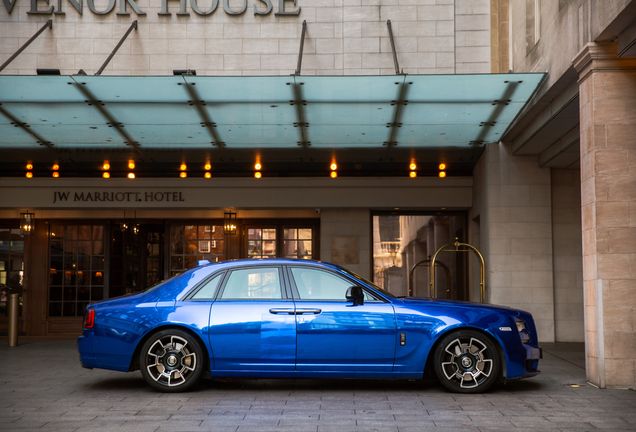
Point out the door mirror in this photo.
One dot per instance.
(355, 294)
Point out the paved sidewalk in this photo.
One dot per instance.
(43, 387)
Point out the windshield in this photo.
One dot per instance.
(371, 284)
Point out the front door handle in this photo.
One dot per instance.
(307, 311)
(282, 311)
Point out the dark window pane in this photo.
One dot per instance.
(70, 232)
(56, 294)
(98, 247)
(176, 263)
(83, 262)
(69, 293)
(83, 293)
(85, 232)
(81, 308)
(56, 247)
(55, 309)
(98, 263)
(55, 277)
(190, 261)
(97, 293)
(176, 247)
(69, 309)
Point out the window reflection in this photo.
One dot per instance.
(191, 243)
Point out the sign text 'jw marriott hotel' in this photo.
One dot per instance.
(199, 7)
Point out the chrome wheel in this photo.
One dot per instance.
(467, 362)
(171, 361)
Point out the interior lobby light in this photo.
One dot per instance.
(106, 175)
(207, 175)
(106, 165)
(183, 167)
(412, 167)
(131, 164)
(442, 174)
(413, 174)
(183, 174)
(29, 166)
(442, 166)
(258, 174)
(56, 174)
(131, 175)
(334, 174)
(29, 174)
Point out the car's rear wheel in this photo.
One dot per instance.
(171, 360)
(467, 361)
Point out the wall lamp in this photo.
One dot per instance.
(27, 222)
(229, 223)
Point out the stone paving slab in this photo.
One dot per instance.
(43, 388)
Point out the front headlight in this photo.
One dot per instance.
(524, 334)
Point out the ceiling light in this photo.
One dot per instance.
(183, 167)
(334, 174)
(131, 175)
(413, 174)
(131, 164)
(442, 166)
(183, 174)
(106, 166)
(29, 166)
(412, 167)
(334, 166)
(29, 174)
(208, 167)
(257, 166)
(56, 174)
(106, 175)
(442, 174)
(207, 175)
(258, 174)
(56, 167)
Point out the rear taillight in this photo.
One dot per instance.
(89, 319)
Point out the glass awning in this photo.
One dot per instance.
(260, 112)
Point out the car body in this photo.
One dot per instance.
(285, 318)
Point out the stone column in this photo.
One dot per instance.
(607, 87)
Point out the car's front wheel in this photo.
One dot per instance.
(171, 360)
(467, 361)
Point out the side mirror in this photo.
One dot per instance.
(355, 294)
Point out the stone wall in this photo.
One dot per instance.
(347, 37)
(567, 255)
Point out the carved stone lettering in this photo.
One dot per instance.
(182, 8)
(195, 7)
(77, 4)
(34, 8)
(268, 3)
(109, 8)
(281, 8)
(123, 11)
(8, 4)
(226, 7)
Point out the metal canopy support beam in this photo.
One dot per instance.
(121, 41)
(112, 121)
(400, 102)
(195, 100)
(25, 127)
(48, 24)
(298, 103)
(395, 59)
(499, 105)
(302, 46)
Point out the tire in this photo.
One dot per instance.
(171, 361)
(467, 361)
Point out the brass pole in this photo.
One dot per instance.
(482, 267)
(13, 320)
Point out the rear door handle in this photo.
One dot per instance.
(282, 311)
(308, 311)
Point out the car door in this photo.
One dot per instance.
(252, 323)
(335, 335)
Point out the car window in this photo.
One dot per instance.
(253, 284)
(321, 285)
(208, 290)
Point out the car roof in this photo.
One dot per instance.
(272, 261)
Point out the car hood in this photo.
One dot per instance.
(456, 303)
